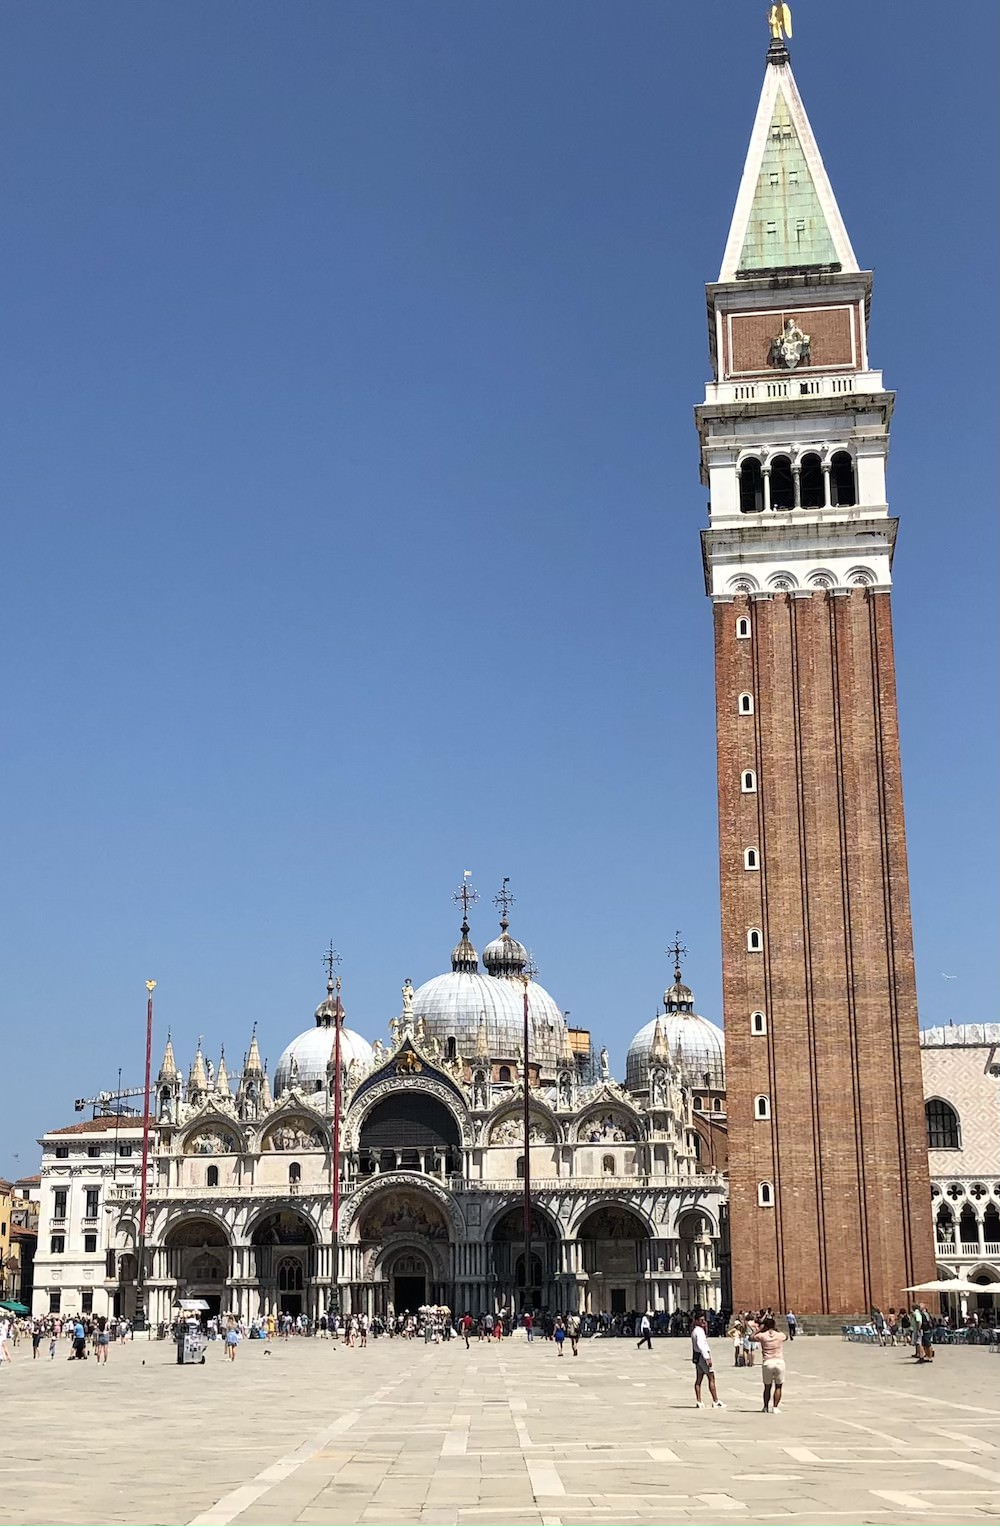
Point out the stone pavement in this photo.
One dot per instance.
(497, 1435)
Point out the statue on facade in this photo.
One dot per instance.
(407, 998)
(480, 1091)
(790, 347)
(605, 1065)
(566, 1090)
(378, 1051)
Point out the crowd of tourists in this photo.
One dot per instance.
(84, 1335)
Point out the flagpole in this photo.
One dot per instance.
(527, 1154)
(139, 1322)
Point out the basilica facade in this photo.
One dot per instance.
(625, 1209)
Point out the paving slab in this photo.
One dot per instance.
(496, 1436)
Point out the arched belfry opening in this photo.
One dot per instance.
(751, 486)
(812, 491)
(843, 486)
(782, 483)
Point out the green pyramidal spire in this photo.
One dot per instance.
(787, 226)
(786, 215)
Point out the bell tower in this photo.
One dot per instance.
(830, 1197)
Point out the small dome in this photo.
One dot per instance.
(505, 956)
(463, 956)
(678, 997)
(312, 1052)
(693, 1044)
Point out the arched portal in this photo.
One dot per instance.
(614, 1240)
(283, 1258)
(699, 1259)
(199, 1261)
(404, 1251)
(524, 1285)
(409, 1275)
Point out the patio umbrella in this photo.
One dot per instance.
(12, 1305)
(949, 1285)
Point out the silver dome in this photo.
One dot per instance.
(694, 1045)
(455, 1005)
(505, 956)
(312, 1052)
(548, 1025)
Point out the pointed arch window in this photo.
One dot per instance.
(942, 1125)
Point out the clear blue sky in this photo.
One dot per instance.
(351, 500)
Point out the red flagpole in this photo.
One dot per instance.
(527, 1158)
(336, 1152)
(140, 1285)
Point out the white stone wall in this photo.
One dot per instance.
(961, 1074)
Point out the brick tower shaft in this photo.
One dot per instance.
(830, 1197)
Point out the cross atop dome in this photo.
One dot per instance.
(466, 895)
(677, 952)
(503, 900)
(505, 955)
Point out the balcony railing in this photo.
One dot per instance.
(703, 1181)
(768, 389)
(948, 1250)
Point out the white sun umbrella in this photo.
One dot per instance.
(949, 1285)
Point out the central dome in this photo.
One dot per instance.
(456, 1006)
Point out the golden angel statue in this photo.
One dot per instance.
(779, 19)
